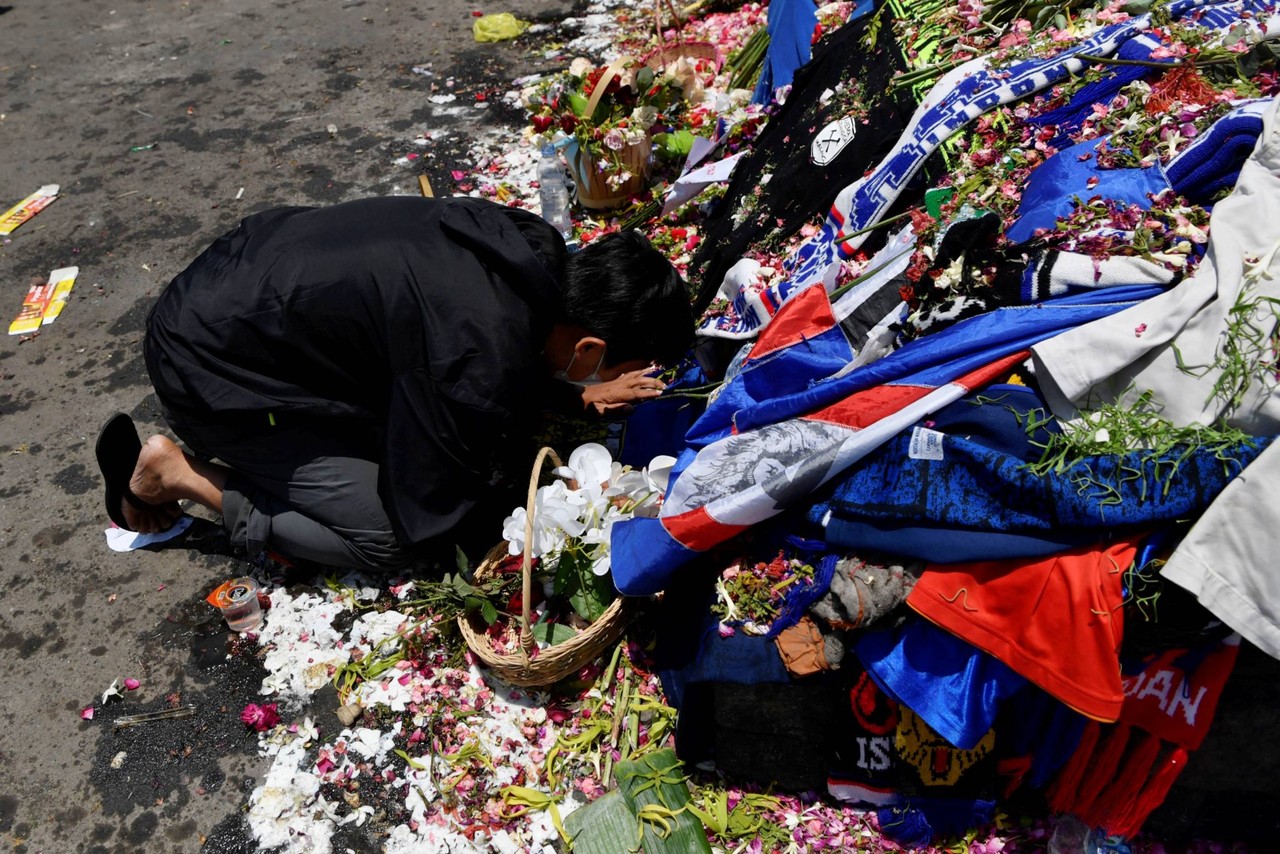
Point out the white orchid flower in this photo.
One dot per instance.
(628, 483)
(307, 730)
(658, 473)
(547, 535)
(589, 465)
(359, 816)
(113, 690)
(602, 564)
(557, 507)
(513, 531)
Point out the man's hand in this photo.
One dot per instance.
(616, 397)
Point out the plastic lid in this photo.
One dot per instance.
(549, 150)
(232, 592)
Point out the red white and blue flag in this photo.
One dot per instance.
(796, 416)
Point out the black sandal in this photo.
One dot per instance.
(117, 449)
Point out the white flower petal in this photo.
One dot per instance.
(113, 690)
(658, 472)
(591, 463)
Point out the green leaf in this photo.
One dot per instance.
(459, 584)
(486, 608)
(578, 103)
(604, 826)
(673, 146)
(588, 593)
(657, 780)
(644, 79)
(460, 560)
(553, 633)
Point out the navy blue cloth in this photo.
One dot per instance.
(1211, 164)
(658, 426)
(1033, 723)
(689, 649)
(980, 488)
(922, 820)
(955, 688)
(945, 544)
(791, 25)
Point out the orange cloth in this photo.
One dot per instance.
(802, 648)
(1057, 620)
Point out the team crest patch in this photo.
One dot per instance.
(831, 140)
(936, 760)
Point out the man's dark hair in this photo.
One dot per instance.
(623, 290)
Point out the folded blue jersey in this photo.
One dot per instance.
(957, 487)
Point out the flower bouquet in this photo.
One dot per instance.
(750, 595)
(610, 116)
(568, 610)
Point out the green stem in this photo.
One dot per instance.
(1146, 63)
(881, 224)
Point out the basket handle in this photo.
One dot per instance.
(613, 69)
(527, 642)
(675, 17)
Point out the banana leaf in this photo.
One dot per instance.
(655, 786)
(604, 826)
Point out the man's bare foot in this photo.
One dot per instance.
(156, 479)
(164, 476)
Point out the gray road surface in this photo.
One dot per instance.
(234, 94)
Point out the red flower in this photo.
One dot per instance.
(568, 121)
(542, 123)
(261, 718)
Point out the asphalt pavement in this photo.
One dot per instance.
(165, 123)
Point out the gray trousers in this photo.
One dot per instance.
(305, 488)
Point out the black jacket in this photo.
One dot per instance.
(424, 318)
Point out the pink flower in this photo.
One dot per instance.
(1171, 51)
(131, 684)
(261, 718)
(590, 787)
(1139, 329)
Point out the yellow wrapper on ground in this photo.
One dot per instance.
(28, 207)
(62, 280)
(497, 28)
(44, 301)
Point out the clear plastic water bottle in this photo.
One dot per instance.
(1072, 836)
(553, 191)
(1100, 842)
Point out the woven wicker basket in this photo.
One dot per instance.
(637, 158)
(667, 52)
(594, 191)
(528, 666)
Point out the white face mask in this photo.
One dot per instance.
(594, 379)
